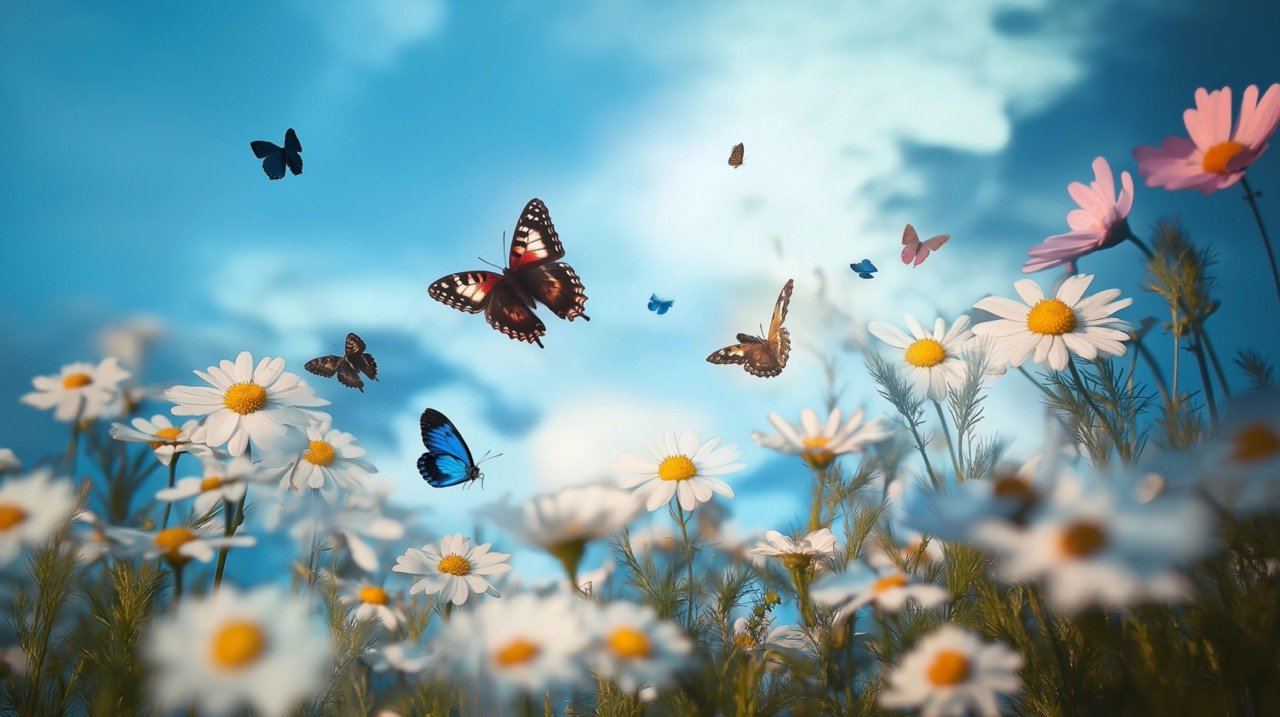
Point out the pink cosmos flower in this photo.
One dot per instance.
(1099, 223)
(1215, 157)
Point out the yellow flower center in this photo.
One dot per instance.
(1051, 317)
(816, 453)
(630, 643)
(171, 540)
(949, 668)
(744, 641)
(374, 595)
(889, 582)
(677, 468)
(1254, 443)
(237, 644)
(454, 565)
(1082, 539)
(1011, 488)
(77, 380)
(211, 483)
(1217, 156)
(515, 653)
(167, 435)
(320, 453)
(245, 398)
(11, 515)
(926, 353)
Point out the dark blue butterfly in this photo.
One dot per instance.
(659, 306)
(864, 268)
(447, 461)
(274, 158)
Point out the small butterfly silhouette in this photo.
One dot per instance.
(347, 367)
(914, 251)
(533, 272)
(659, 306)
(762, 356)
(735, 155)
(864, 268)
(275, 158)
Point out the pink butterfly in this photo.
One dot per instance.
(914, 251)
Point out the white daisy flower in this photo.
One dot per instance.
(32, 509)
(9, 462)
(633, 648)
(372, 602)
(455, 570)
(349, 523)
(888, 588)
(265, 404)
(229, 649)
(1095, 544)
(223, 481)
(80, 390)
(819, 444)
(684, 468)
(951, 673)
(798, 554)
(406, 657)
(1007, 496)
(1048, 330)
(329, 461)
(176, 545)
(935, 360)
(1239, 467)
(524, 644)
(562, 523)
(164, 438)
(768, 642)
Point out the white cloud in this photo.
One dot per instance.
(373, 33)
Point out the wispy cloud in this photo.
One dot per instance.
(373, 33)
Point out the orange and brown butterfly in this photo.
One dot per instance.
(735, 155)
(349, 366)
(763, 356)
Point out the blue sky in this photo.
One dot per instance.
(128, 190)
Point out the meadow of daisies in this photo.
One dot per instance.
(1131, 567)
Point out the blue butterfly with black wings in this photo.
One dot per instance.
(448, 460)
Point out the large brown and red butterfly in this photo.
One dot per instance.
(763, 356)
(348, 366)
(533, 273)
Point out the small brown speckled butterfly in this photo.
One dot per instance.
(347, 367)
(762, 356)
(735, 155)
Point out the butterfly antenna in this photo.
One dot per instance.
(489, 263)
(487, 456)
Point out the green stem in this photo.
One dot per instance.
(1177, 334)
(1034, 382)
(915, 433)
(1161, 382)
(1205, 380)
(73, 446)
(177, 580)
(173, 472)
(1050, 631)
(229, 529)
(815, 512)
(677, 512)
(1251, 197)
(1197, 327)
(1097, 410)
(951, 448)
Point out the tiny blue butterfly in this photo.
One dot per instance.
(659, 306)
(864, 268)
